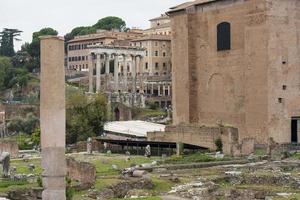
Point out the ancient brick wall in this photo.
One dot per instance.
(83, 172)
(198, 135)
(10, 147)
(241, 86)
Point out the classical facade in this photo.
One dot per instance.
(78, 47)
(136, 62)
(236, 62)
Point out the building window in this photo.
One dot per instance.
(146, 53)
(156, 66)
(223, 36)
(164, 54)
(146, 65)
(70, 59)
(284, 87)
(156, 44)
(156, 53)
(164, 66)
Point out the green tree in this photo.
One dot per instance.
(36, 137)
(34, 48)
(6, 73)
(111, 23)
(23, 125)
(7, 37)
(85, 116)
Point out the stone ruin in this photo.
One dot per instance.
(82, 172)
(5, 161)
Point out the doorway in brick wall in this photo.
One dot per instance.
(295, 129)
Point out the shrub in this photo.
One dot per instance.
(219, 144)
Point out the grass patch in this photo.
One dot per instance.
(142, 113)
(101, 184)
(161, 185)
(8, 185)
(104, 166)
(296, 156)
(260, 152)
(193, 158)
(22, 167)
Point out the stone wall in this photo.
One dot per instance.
(13, 110)
(83, 172)
(10, 147)
(198, 135)
(242, 86)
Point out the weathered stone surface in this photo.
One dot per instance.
(243, 86)
(11, 147)
(83, 172)
(53, 117)
(25, 194)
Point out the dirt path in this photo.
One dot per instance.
(169, 197)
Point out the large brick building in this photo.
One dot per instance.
(237, 62)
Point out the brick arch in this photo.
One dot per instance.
(216, 93)
(120, 112)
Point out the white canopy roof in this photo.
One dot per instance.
(134, 128)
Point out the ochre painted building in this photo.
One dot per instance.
(237, 62)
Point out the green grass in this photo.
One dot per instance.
(104, 166)
(22, 167)
(260, 152)
(142, 113)
(296, 156)
(161, 185)
(7, 185)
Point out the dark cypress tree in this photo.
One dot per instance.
(7, 37)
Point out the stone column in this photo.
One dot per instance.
(158, 88)
(138, 64)
(98, 73)
(116, 72)
(107, 63)
(169, 90)
(91, 74)
(133, 73)
(164, 90)
(125, 72)
(53, 118)
(152, 88)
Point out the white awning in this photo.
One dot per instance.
(133, 128)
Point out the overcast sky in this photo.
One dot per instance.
(63, 15)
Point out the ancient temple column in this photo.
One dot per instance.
(91, 74)
(158, 88)
(107, 57)
(133, 73)
(164, 90)
(152, 88)
(53, 118)
(98, 73)
(169, 90)
(116, 72)
(125, 72)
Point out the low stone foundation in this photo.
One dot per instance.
(83, 172)
(198, 135)
(11, 147)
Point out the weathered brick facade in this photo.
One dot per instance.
(254, 86)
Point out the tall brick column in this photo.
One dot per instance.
(53, 119)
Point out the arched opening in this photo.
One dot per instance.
(117, 114)
(223, 36)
